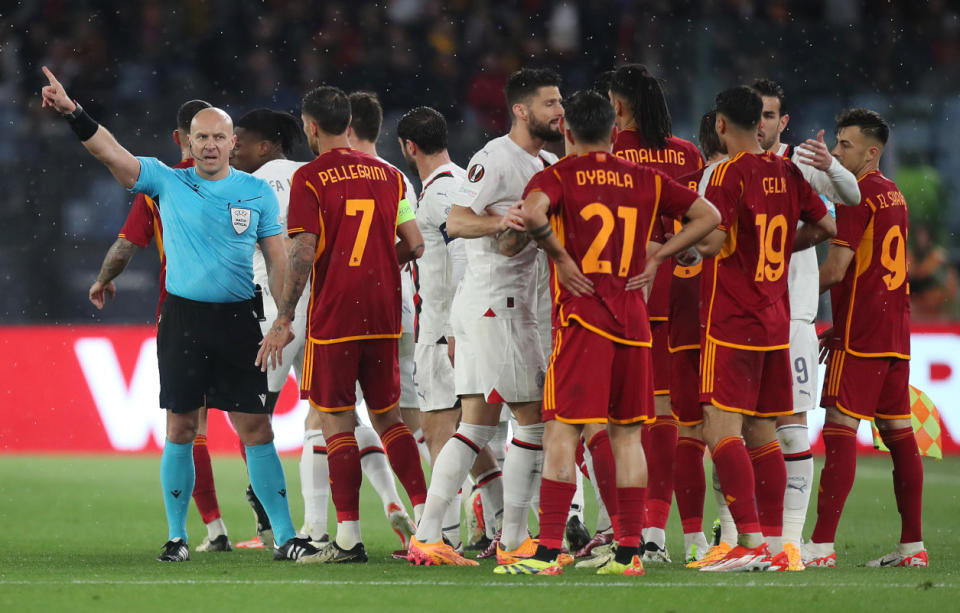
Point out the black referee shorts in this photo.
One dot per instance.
(206, 353)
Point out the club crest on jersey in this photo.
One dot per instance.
(475, 173)
(240, 219)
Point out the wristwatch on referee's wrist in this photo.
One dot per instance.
(74, 114)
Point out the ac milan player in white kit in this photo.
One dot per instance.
(498, 352)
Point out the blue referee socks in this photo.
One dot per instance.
(177, 477)
(266, 477)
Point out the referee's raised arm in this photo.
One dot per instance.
(97, 139)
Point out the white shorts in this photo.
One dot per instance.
(408, 390)
(804, 350)
(434, 377)
(499, 358)
(292, 355)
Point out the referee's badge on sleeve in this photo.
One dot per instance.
(240, 219)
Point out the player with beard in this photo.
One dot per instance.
(646, 138)
(346, 211)
(498, 352)
(837, 185)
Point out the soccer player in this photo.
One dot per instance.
(498, 353)
(684, 343)
(745, 366)
(422, 133)
(141, 226)
(868, 346)
(838, 185)
(207, 335)
(346, 210)
(593, 213)
(646, 138)
(365, 123)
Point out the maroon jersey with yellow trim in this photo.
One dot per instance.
(744, 288)
(871, 305)
(685, 291)
(350, 201)
(143, 224)
(602, 209)
(680, 157)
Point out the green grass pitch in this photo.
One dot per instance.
(80, 533)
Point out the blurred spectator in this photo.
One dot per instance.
(933, 279)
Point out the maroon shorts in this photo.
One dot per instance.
(866, 388)
(593, 379)
(660, 332)
(756, 383)
(331, 372)
(685, 387)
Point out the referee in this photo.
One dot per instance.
(208, 334)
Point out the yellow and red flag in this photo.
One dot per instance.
(926, 426)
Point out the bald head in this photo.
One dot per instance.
(211, 141)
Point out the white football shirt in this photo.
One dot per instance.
(441, 268)
(496, 178)
(278, 174)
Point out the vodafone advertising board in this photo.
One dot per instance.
(95, 389)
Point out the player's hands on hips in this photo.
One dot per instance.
(644, 281)
(824, 338)
(569, 274)
(54, 96)
(815, 152)
(99, 291)
(689, 257)
(271, 347)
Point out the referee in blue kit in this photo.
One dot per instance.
(208, 336)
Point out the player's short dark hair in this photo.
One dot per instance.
(772, 89)
(644, 94)
(710, 143)
(589, 115)
(367, 115)
(279, 128)
(741, 105)
(329, 107)
(524, 83)
(602, 82)
(187, 110)
(871, 123)
(424, 126)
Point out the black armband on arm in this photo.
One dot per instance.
(542, 232)
(82, 124)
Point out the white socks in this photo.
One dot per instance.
(795, 443)
(656, 536)
(451, 522)
(576, 505)
(348, 534)
(314, 483)
(374, 463)
(491, 496)
(452, 466)
(728, 529)
(604, 525)
(521, 471)
(215, 528)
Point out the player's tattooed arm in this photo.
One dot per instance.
(297, 272)
(510, 242)
(116, 260)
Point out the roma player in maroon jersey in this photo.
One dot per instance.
(593, 213)
(869, 345)
(745, 364)
(646, 138)
(684, 344)
(346, 208)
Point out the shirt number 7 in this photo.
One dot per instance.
(363, 206)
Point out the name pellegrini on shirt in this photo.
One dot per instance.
(351, 171)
